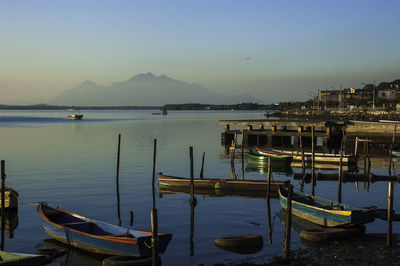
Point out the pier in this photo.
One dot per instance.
(287, 133)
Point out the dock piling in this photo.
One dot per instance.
(154, 218)
(117, 180)
(288, 225)
(3, 211)
(312, 161)
(202, 165)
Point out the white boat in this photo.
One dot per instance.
(318, 157)
(75, 117)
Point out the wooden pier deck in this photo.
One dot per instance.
(287, 133)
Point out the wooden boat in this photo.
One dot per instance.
(10, 198)
(319, 157)
(97, 236)
(264, 157)
(324, 212)
(22, 259)
(219, 183)
(75, 117)
(206, 192)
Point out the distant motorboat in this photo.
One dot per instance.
(75, 117)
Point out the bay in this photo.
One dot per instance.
(72, 164)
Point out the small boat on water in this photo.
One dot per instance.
(319, 157)
(75, 117)
(219, 183)
(264, 157)
(324, 212)
(22, 259)
(97, 236)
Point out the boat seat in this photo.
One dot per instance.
(77, 223)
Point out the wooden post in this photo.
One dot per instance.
(154, 218)
(312, 161)
(391, 191)
(288, 225)
(192, 202)
(269, 179)
(154, 173)
(356, 146)
(390, 214)
(340, 174)
(233, 172)
(391, 151)
(3, 211)
(269, 201)
(154, 233)
(242, 154)
(131, 218)
(191, 174)
(117, 179)
(202, 165)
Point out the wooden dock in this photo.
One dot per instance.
(327, 134)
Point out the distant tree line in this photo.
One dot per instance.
(239, 106)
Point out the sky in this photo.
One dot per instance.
(275, 50)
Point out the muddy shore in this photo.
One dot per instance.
(369, 249)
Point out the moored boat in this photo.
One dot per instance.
(97, 236)
(264, 157)
(75, 117)
(323, 211)
(22, 259)
(219, 183)
(318, 157)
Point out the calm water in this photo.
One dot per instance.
(72, 164)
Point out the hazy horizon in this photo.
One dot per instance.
(273, 50)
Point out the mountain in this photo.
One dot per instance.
(144, 89)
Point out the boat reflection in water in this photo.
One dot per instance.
(74, 256)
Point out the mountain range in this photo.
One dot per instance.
(145, 89)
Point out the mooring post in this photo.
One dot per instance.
(288, 225)
(340, 173)
(131, 218)
(3, 190)
(202, 165)
(154, 218)
(117, 179)
(269, 179)
(312, 161)
(233, 172)
(191, 174)
(390, 213)
(192, 202)
(356, 146)
(391, 151)
(154, 233)
(242, 154)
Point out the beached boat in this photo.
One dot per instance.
(75, 117)
(319, 157)
(219, 183)
(97, 236)
(22, 259)
(324, 212)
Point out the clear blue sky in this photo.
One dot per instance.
(277, 50)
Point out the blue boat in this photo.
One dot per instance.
(96, 236)
(324, 212)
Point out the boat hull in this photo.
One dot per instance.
(106, 242)
(219, 183)
(318, 157)
(324, 212)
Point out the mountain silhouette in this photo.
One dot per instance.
(145, 90)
